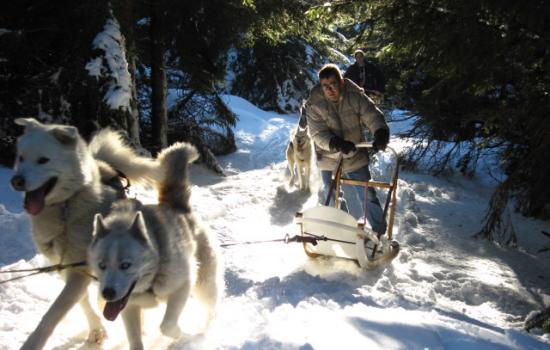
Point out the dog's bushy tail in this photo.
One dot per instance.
(109, 146)
(173, 187)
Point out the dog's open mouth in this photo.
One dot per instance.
(36, 200)
(113, 308)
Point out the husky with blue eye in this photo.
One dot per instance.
(65, 182)
(142, 254)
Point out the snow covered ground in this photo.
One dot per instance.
(444, 290)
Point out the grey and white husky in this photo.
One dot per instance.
(66, 182)
(298, 156)
(145, 253)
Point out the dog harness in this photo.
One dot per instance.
(120, 182)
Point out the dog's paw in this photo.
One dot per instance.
(97, 336)
(171, 330)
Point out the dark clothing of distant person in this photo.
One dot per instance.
(368, 76)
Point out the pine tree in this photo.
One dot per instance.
(55, 68)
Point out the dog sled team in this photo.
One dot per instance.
(141, 253)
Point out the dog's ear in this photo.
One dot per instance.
(302, 123)
(138, 229)
(28, 122)
(99, 228)
(66, 135)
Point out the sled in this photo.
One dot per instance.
(333, 232)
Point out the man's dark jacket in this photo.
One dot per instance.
(374, 80)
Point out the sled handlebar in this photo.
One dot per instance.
(364, 145)
(370, 145)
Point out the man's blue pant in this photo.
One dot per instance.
(353, 196)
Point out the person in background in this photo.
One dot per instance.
(365, 74)
(337, 110)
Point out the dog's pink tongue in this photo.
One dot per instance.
(35, 201)
(112, 309)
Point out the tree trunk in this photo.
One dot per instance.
(133, 115)
(127, 18)
(159, 117)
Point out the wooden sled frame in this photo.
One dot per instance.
(338, 232)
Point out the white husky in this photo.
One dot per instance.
(298, 156)
(66, 182)
(144, 253)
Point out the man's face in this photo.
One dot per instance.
(360, 59)
(331, 88)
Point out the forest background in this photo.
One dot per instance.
(474, 74)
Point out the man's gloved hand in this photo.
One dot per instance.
(337, 144)
(381, 139)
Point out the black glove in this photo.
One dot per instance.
(381, 139)
(337, 144)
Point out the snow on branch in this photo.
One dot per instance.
(112, 65)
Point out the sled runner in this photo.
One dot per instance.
(337, 233)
